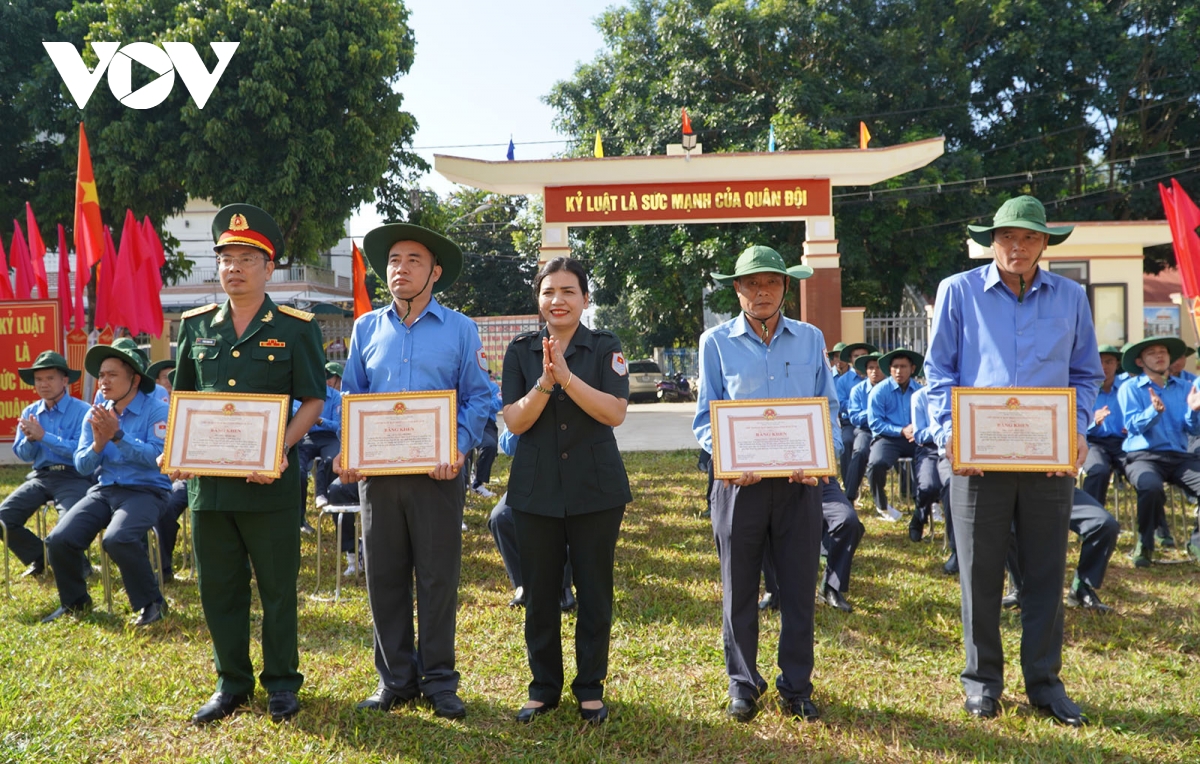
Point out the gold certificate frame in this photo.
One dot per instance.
(399, 433)
(1013, 429)
(772, 437)
(225, 434)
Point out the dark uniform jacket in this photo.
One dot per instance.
(567, 463)
(280, 353)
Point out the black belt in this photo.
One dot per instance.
(56, 468)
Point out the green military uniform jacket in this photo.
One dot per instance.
(280, 353)
(567, 463)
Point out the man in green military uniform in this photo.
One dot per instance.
(250, 345)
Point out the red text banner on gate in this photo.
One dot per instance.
(27, 328)
(621, 203)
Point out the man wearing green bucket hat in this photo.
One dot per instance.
(1106, 432)
(120, 442)
(1160, 413)
(47, 435)
(762, 354)
(1009, 324)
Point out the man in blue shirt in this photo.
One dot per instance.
(413, 523)
(889, 415)
(860, 448)
(168, 521)
(928, 489)
(1160, 413)
(762, 354)
(323, 440)
(845, 382)
(1106, 433)
(121, 442)
(486, 453)
(1009, 324)
(47, 435)
(836, 364)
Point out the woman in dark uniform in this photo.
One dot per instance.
(565, 388)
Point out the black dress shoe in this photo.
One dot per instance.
(833, 598)
(149, 614)
(83, 607)
(804, 708)
(35, 569)
(981, 707)
(916, 530)
(382, 700)
(447, 705)
(567, 601)
(220, 705)
(768, 602)
(528, 714)
(1011, 600)
(1085, 597)
(594, 716)
(282, 705)
(518, 599)
(951, 566)
(1166, 541)
(1065, 711)
(742, 709)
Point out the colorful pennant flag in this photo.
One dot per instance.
(864, 135)
(358, 275)
(512, 149)
(598, 149)
(18, 255)
(1183, 216)
(6, 290)
(37, 255)
(687, 123)
(89, 232)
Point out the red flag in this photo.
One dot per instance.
(104, 281)
(124, 309)
(358, 275)
(6, 290)
(155, 240)
(65, 301)
(1184, 216)
(687, 124)
(149, 279)
(89, 233)
(37, 254)
(19, 255)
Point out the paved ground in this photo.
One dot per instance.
(657, 427)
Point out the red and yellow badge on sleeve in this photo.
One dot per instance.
(619, 365)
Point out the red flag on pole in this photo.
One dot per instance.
(19, 256)
(6, 290)
(149, 279)
(37, 254)
(358, 275)
(89, 232)
(1183, 216)
(65, 301)
(123, 308)
(687, 124)
(104, 280)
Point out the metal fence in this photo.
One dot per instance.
(891, 331)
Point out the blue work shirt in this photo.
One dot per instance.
(924, 430)
(1187, 376)
(1149, 430)
(497, 399)
(131, 461)
(736, 365)
(508, 442)
(331, 414)
(983, 337)
(889, 409)
(1114, 424)
(62, 423)
(844, 384)
(440, 351)
(857, 408)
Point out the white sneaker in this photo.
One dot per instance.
(893, 513)
(464, 527)
(321, 502)
(352, 566)
(937, 513)
(483, 491)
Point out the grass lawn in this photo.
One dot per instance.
(886, 675)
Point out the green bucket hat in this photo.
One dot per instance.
(885, 360)
(378, 242)
(760, 259)
(1111, 350)
(848, 349)
(48, 359)
(334, 369)
(836, 350)
(248, 225)
(1133, 351)
(1020, 212)
(156, 368)
(128, 351)
(860, 363)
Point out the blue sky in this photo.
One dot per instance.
(480, 73)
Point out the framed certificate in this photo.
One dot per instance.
(225, 434)
(772, 437)
(399, 433)
(1014, 429)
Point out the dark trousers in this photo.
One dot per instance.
(413, 525)
(227, 545)
(590, 542)
(125, 514)
(64, 487)
(857, 467)
(886, 450)
(1104, 456)
(929, 481)
(946, 474)
(168, 526)
(841, 530)
(340, 494)
(1097, 531)
(325, 446)
(986, 509)
(504, 533)
(486, 454)
(1148, 472)
(847, 449)
(782, 519)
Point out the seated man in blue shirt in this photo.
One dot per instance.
(121, 442)
(163, 373)
(322, 441)
(925, 465)
(844, 383)
(47, 434)
(1106, 433)
(1160, 414)
(868, 365)
(889, 415)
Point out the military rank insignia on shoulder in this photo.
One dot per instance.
(303, 315)
(199, 311)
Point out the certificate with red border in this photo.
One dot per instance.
(225, 434)
(399, 433)
(1014, 429)
(772, 437)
